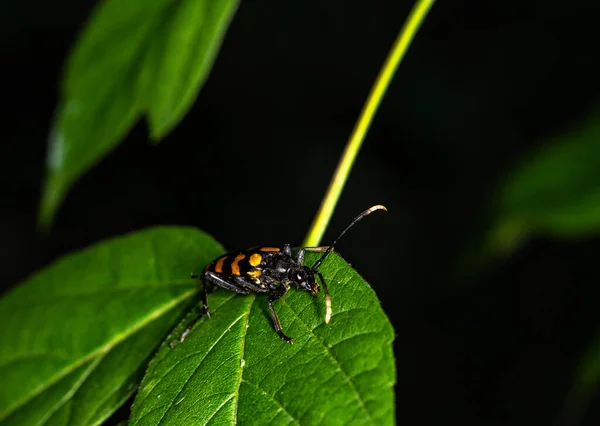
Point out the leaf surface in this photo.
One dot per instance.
(76, 337)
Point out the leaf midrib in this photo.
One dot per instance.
(103, 350)
(242, 350)
(215, 310)
(225, 331)
(74, 389)
(19, 356)
(113, 290)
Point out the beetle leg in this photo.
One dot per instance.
(327, 299)
(319, 249)
(224, 283)
(300, 256)
(248, 285)
(205, 309)
(197, 316)
(195, 312)
(217, 280)
(276, 294)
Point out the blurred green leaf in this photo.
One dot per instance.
(233, 367)
(585, 386)
(133, 58)
(553, 192)
(76, 337)
(179, 60)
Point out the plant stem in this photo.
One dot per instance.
(405, 37)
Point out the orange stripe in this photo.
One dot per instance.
(235, 268)
(219, 265)
(270, 249)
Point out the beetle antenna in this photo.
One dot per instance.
(356, 219)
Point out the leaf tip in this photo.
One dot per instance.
(51, 198)
(158, 130)
(53, 187)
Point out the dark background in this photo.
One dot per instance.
(482, 85)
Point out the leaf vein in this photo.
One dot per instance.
(179, 361)
(345, 339)
(281, 407)
(219, 408)
(102, 350)
(336, 362)
(186, 382)
(68, 395)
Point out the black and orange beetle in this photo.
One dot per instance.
(270, 270)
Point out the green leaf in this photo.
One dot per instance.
(233, 367)
(76, 337)
(133, 58)
(555, 191)
(181, 57)
(585, 386)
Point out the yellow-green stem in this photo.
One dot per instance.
(405, 37)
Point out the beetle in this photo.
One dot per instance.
(270, 270)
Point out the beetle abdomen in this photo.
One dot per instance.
(245, 263)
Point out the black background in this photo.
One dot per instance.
(483, 84)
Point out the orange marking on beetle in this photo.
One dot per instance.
(255, 259)
(254, 274)
(270, 249)
(235, 268)
(219, 264)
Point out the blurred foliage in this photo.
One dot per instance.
(585, 386)
(133, 59)
(555, 192)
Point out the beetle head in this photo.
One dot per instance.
(304, 277)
